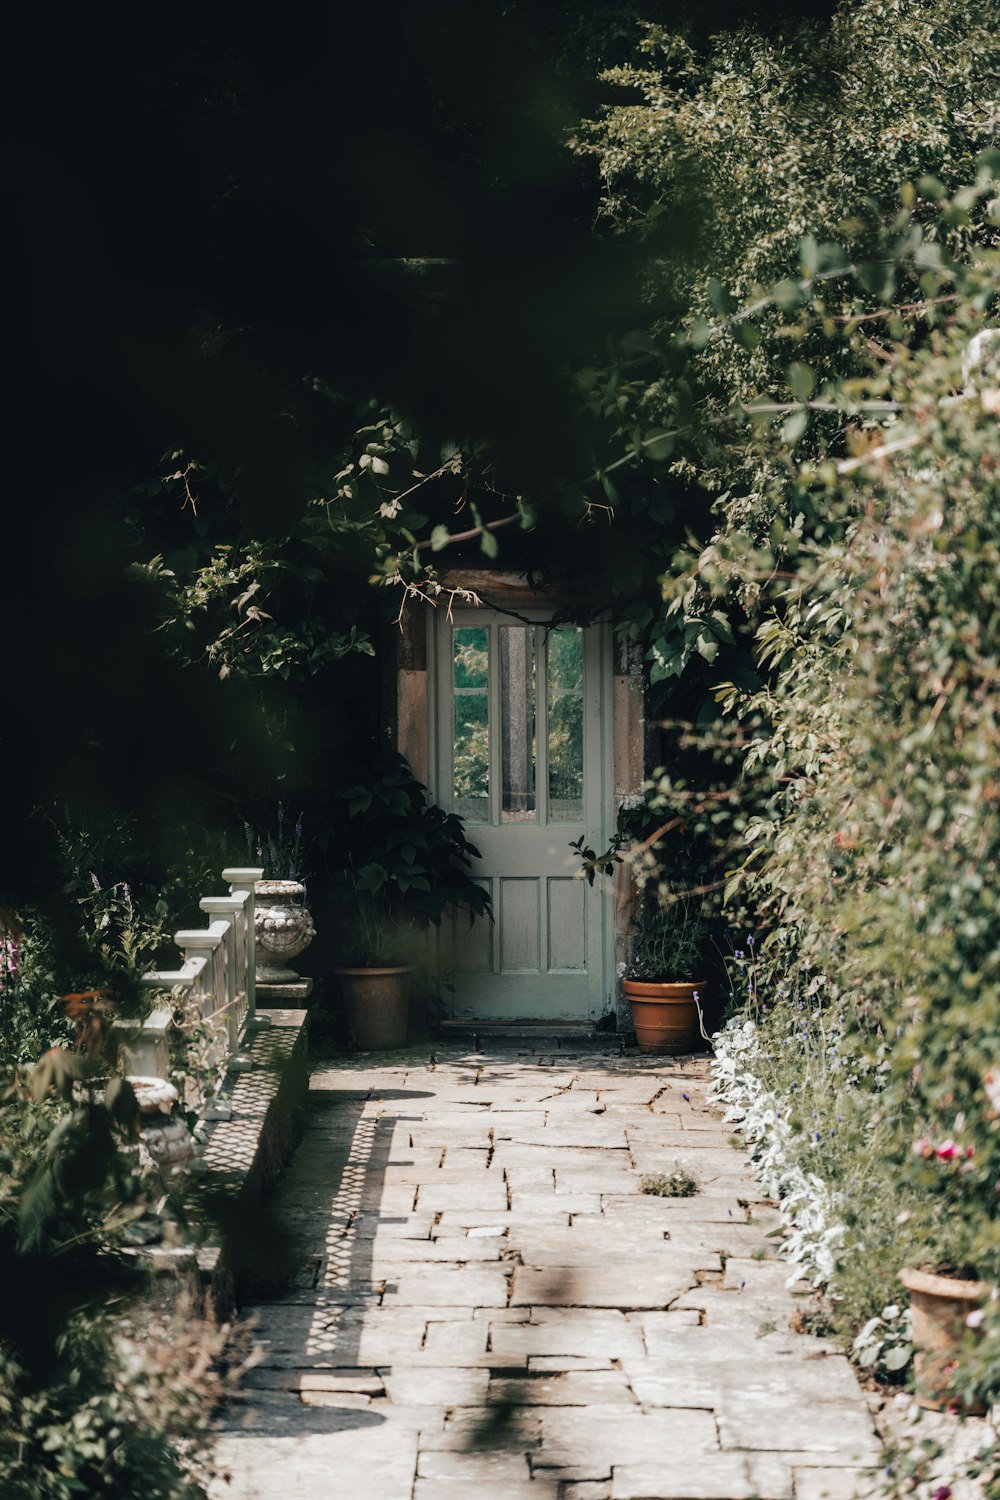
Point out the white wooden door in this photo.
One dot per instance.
(522, 754)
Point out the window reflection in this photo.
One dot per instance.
(471, 672)
(565, 714)
(517, 720)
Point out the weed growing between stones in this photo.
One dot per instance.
(676, 1184)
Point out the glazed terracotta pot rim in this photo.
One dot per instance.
(368, 969)
(933, 1284)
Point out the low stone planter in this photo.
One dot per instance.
(939, 1306)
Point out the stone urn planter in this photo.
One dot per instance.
(377, 1005)
(939, 1306)
(283, 928)
(164, 1135)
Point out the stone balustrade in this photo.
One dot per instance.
(217, 970)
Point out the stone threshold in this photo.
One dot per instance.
(517, 1030)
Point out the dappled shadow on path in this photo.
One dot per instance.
(309, 1272)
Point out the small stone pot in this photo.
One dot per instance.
(283, 927)
(377, 1006)
(939, 1306)
(155, 1096)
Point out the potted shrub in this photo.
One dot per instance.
(400, 865)
(664, 967)
(948, 1295)
(663, 975)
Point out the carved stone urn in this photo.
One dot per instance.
(283, 928)
(163, 1134)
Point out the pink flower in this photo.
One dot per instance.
(943, 1492)
(948, 1150)
(991, 1083)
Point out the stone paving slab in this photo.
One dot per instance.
(713, 1476)
(484, 1303)
(639, 1283)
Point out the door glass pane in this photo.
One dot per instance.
(471, 673)
(517, 720)
(565, 705)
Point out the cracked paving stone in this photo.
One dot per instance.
(569, 1388)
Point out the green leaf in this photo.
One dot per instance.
(898, 1357)
(658, 445)
(700, 334)
(121, 1103)
(721, 626)
(706, 645)
(55, 1073)
(440, 537)
(489, 545)
(877, 277)
(801, 381)
(787, 295)
(931, 187)
(794, 427)
(720, 298)
(747, 334)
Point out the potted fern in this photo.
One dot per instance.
(401, 865)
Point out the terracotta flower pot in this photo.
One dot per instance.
(377, 1005)
(666, 1017)
(939, 1306)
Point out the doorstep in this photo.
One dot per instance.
(519, 1029)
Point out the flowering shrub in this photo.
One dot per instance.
(813, 1230)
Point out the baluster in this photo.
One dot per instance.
(242, 881)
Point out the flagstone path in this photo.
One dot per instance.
(486, 1306)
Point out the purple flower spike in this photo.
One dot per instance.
(94, 881)
(686, 1096)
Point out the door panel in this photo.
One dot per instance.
(567, 923)
(522, 754)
